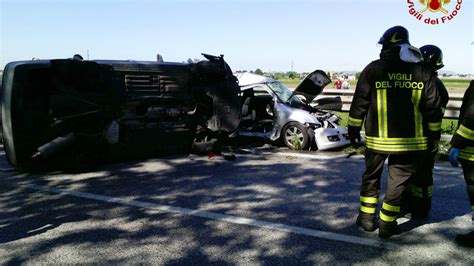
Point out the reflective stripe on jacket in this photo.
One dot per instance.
(400, 104)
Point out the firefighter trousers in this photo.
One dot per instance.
(400, 168)
(420, 190)
(468, 169)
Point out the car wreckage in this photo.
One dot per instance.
(74, 113)
(272, 111)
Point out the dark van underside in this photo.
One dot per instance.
(74, 113)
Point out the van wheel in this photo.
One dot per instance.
(296, 136)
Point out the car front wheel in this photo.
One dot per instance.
(296, 136)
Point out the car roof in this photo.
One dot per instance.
(246, 79)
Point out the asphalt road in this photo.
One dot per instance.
(269, 206)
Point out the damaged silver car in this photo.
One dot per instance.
(272, 111)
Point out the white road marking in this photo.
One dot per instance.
(313, 156)
(7, 169)
(219, 217)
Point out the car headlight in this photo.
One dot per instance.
(334, 138)
(313, 125)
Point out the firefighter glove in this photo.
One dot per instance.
(433, 146)
(453, 156)
(354, 135)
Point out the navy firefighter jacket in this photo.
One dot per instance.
(399, 103)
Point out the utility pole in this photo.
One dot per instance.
(87, 54)
(291, 65)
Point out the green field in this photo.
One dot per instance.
(456, 84)
(291, 83)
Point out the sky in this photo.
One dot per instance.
(279, 35)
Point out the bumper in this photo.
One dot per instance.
(331, 138)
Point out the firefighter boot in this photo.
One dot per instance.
(466, 240)
(365, 223)
(420, 215)
(387, 229)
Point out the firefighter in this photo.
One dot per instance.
(396, 96)
(462, 150)
(421, 185)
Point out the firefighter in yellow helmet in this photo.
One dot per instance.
(463, 150)
(396, 96)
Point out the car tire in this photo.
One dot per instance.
(295, 129)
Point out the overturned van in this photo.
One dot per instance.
(74, 113)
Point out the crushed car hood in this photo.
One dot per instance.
(312, 85)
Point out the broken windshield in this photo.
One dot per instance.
(282, 91)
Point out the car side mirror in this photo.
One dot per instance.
(274, 100)
(329, 103)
